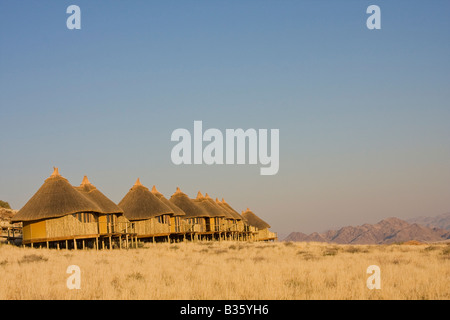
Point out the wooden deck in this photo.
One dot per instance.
(10, 233)
(127, 238)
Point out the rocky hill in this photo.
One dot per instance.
(6, 215)
(386, 231)
(441, 221)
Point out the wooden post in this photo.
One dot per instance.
(83, 245)
(57, 245)
(120, 242)
(67, 245)
(96, 243)
(47, 244)
(110, 244)
(103, 244)
(126, 240)
(75, 244)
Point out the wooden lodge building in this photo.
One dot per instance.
(65, 216)
(150, 216)
(60, 215)
(262, 227)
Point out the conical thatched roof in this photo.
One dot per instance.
(55, 198)
(225, 205)
(191, 209)
(105, 204)
(140, 204)
(207, 206)
(176, 210)
(225, 212)
(254, 220)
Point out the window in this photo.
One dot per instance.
(84, 217)
(164, 219)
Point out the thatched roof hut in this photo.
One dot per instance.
(55, 198)
(177, 211)
(140, 204)
(209, 206)
(106, 205)
(191, 209)
(254, 220)
(229, 209)
(235, 213)
(227, 214)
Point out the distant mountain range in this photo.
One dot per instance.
(390, 230)
(441, 221)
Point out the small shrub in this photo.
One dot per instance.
(219, 251)
(32, 258)
(136, 276)
(4, 204)
(258, 259)
(353, 249)
(330, 252)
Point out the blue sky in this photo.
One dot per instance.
(363, 114)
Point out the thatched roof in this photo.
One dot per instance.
(225, 205)
(55, 198)
(106, 205)
(140, 204)
(176, 210)
(207, 206)
(225, 212)
(254, 220)
(191, 209)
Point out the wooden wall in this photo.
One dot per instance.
(69, 226)
(150, 227)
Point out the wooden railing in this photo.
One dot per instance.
(10, 232)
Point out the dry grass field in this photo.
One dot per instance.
(228, 270)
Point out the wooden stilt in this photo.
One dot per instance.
(75, 244)
(110, 244)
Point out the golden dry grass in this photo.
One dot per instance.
(230, 271)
